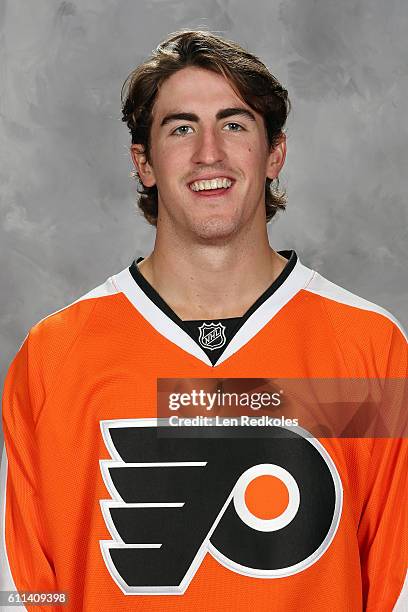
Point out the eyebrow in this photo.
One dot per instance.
(222, 114)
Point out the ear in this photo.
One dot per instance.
(143, 167)
(276, 158)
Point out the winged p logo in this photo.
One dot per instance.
(175, 499)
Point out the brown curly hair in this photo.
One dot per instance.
(247, 75)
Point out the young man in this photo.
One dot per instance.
(99, 505)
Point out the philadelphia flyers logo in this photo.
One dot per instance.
(173, 500)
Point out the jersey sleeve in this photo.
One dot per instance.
(25, 554)
(383, 528)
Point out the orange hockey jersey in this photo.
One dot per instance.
(96, 505)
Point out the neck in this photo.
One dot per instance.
(207, 281)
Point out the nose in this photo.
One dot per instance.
(209, 148)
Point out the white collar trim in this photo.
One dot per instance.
(125, 283)
(298, 279)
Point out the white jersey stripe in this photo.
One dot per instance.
(6, 578)
(402, 602)
(325, 288)
(125, 282)
(298, 279)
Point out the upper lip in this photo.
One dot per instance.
(208, 177)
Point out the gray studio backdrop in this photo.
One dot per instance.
(67, 211)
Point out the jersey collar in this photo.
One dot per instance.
(298, 279)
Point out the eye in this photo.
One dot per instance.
(181, 130)
(236, 127)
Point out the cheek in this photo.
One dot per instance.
(252, 159)
(172, 162)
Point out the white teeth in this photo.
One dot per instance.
(216, 183)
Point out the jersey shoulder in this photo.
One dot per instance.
(67, 322)
(48, 345)
(344, 303)
(51, 341)
(362, 328)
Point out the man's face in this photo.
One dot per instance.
(202, 130)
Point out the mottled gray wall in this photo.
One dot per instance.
(67, 199)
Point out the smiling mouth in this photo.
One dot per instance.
(210, 187)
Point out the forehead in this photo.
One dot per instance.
(193, 89)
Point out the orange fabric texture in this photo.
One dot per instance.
(99, 360)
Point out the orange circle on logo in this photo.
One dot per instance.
(266, 497)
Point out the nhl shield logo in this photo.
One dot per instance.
(212, 335)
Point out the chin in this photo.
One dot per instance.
(215, 230)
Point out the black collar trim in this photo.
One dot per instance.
(235, 323)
